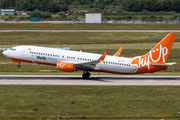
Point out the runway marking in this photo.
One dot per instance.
(105, 80)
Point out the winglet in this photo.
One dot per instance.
(117, 54)
(103, 56)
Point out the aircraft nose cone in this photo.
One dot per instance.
(5, 53)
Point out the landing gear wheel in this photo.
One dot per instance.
(86, 75)
(18, 66)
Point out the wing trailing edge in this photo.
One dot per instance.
(92, 64)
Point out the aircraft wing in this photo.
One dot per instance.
(164, 65)
(92, 64)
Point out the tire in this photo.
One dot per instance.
(88, 74)
(18, 66)
(84, 76)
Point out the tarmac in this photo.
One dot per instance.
(100, 80)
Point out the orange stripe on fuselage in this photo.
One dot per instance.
(96, 70)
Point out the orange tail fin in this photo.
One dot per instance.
(160, 52)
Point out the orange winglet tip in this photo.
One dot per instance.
(103, 56)
(103, 62)
(118, 53)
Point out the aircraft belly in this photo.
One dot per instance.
(122, 69)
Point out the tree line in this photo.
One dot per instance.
(152, 5)
(55, 6)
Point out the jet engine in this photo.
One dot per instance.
(62, 66)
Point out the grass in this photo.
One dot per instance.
(69, 38)
(90, 102)
(56, 26)
(135, 44)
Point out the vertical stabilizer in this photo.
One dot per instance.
(155, 59)
(160, 52)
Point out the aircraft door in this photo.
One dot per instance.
(23, 52)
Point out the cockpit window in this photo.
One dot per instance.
(13, 49)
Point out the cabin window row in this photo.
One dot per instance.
(44, 54)
(85, 59)
(115, 63)
(70, 57)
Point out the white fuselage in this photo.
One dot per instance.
(51, 56)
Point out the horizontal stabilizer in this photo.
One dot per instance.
(163, 65)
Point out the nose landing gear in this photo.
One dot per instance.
(86, 74)
(18, 66)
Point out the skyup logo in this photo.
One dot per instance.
(41, 58)
(154, 56)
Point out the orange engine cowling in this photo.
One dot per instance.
(62, 66)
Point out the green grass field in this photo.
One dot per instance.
(90, 102)
(58, 26)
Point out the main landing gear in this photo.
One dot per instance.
(86, 74)
(18, 66)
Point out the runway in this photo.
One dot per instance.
(176, 31)
(102, 80)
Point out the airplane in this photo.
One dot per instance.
(69, 61)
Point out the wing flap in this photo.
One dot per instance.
(92, 64)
